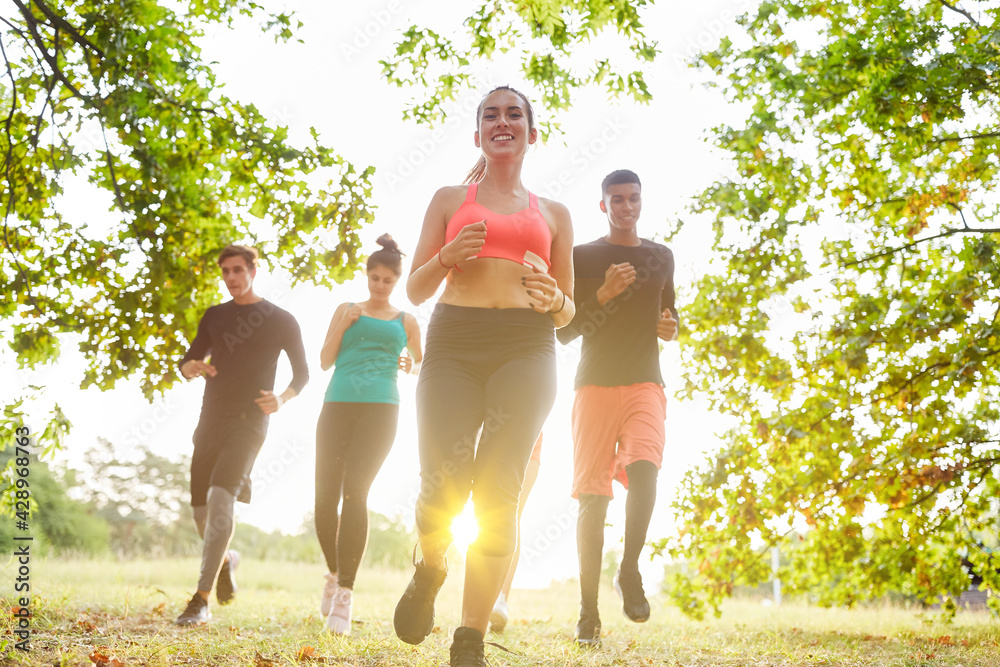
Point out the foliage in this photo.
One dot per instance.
(390, 542)
(850, 325)
(56, 521)
(115, 98)
(545, 34)
(143, 499)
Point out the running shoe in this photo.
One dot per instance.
(225, 585)
(339, 620)
(628, 585)
(500, 614)
(196, 612)
(329, 589)
(588, 629)
(467, 648)
(414, 617)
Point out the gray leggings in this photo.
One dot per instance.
(216, 524)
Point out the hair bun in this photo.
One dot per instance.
(388, 244)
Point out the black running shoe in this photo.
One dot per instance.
(628, 585)
(588, 629)
(225, 587)
(467, 649)
(196, 612)
(414, 617)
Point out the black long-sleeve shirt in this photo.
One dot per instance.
(245, 342)
(620, 346)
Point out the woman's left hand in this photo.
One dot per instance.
(405, 362)
(543, 291)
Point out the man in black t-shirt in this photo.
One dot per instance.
(236, 350)
(624, 295)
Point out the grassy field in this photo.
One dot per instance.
(125, 612)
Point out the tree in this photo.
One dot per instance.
(143, 498)
(850, 325)
(543, 34)
(117, 95)
(56, 521)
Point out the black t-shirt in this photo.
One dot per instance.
(244, 342)
(620, 346)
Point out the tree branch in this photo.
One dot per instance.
(949, 232)
(53, 63)
(985, 135)
(59, 22)
(8, 166)
(954, 8)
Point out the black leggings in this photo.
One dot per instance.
(486, 385)
(352, 441)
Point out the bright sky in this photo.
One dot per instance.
(332, 82)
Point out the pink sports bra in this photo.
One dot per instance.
(521, 237)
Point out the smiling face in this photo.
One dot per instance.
(506, 124)
(622, 203)
(381, 281)
(238, 275)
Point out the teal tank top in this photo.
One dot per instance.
(368, 361)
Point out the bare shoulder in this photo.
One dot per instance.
(553, 210)
(557, 215)
(450, 194)
(447, 200)
(341, 309)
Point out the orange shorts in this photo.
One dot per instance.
(614, 427)
(536, 451)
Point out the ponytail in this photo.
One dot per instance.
(476, 173)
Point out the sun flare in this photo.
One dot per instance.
(464, 528)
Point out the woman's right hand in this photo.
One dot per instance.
(351, 315)
(465, 246)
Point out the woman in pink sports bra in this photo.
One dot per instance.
(488, 378)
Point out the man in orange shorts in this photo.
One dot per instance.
(624, 299)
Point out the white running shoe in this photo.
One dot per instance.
(500, 614)
(339, 620)
(330, 589)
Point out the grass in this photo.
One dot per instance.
(124, 611)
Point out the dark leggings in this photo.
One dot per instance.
(486, 385)
(590, 529)
(352, 441)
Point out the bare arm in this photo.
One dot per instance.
(432, 259)
(413, 343)
(345, 315)
(553, 292)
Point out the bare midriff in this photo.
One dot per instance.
(487, 282)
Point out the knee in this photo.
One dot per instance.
(593, 508)
(439, 502)
(643, 473)
(220, 509)
(496, 515)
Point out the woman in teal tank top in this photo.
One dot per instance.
(357, 426)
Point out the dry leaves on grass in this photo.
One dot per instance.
(261, 661)
(104, 660)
